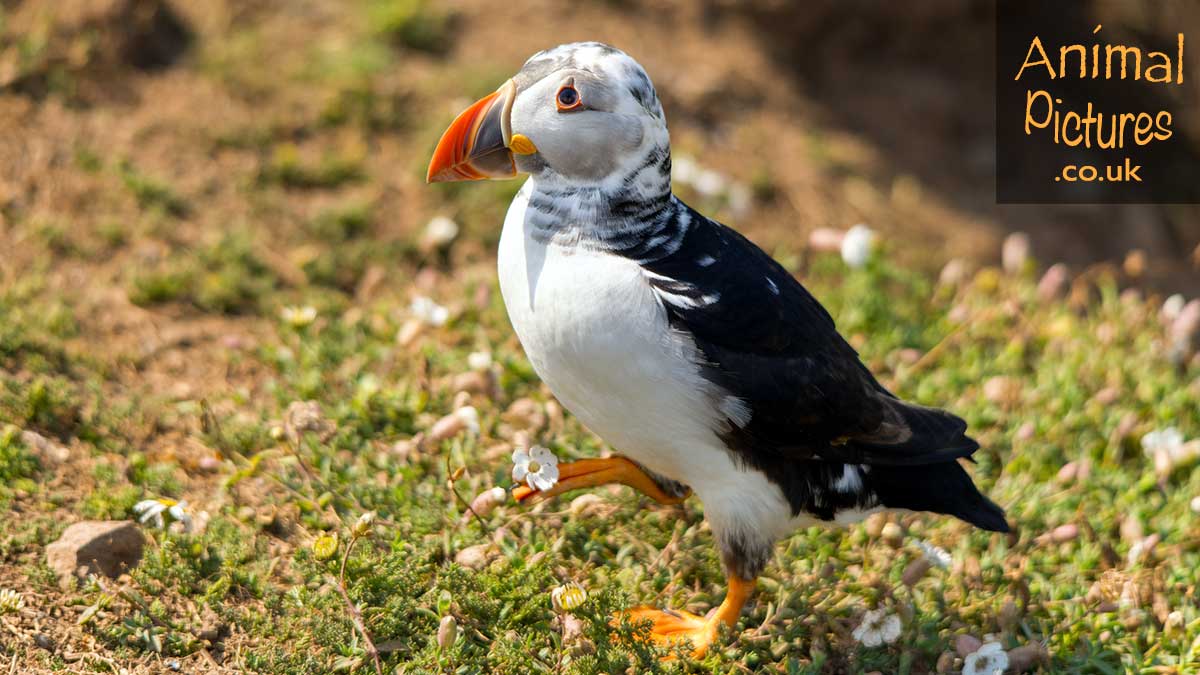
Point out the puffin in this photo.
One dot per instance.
(706, 366)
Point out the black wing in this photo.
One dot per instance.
(768, 342)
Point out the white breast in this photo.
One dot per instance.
(597, 335)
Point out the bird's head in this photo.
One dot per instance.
(583, 112)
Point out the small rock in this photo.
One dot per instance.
(1001, 389)
(825, 239)
(447, 427)
(447, 632)
(1053, 283)
(874, 524)
(47, 450)
(472, 381)
(1009, 614)
(1077, 471)
(585, 504)
(43, 641)
(1025, 658)
(1131, 529)
(525, 414)
(409, 331)
(915, 571)
(473, 557)
(1025, 432)
(1184, 336)
(893, 534)
(1135, 263)
(572, 628)
(954, 273)
(1014, 253)
(945, 663)
(966, 645)
(108, 547)
(1107, 396)
(485, 502)
(1060, 534)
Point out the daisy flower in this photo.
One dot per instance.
(568, 597)
(479, 360)
(1166, 440)
(538, 467)
(990, 659)
(428, 311)
(857, 244)
(10, 601)
(440, 231)
(877, 628)
(298, 317)
(936, 555)
(154, 510)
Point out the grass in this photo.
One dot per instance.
(282, 488)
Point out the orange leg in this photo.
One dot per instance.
(671, 627)
(587, 473)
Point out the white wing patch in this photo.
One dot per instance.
(705, 260)
(771, 284)
(736, 410)
(851, 480)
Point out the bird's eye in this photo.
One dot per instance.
(567, 98)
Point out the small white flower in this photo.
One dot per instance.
(479, 360)
(683, 169)
(10, 601)
(877, 628)
(440, 231)
(710, 183)
(990, 659)
(179, 514)
(1196, 504)
(298, 317)
(538, 467)
(739, 199)
(857, 244)
(152, 511)
(936, 555)
(568, 597)
(1168, 440)
(429, 311)
(470, 417)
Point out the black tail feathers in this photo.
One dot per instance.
(943, 487)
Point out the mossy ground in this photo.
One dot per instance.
(157, 240)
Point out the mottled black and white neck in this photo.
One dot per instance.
(611, 190)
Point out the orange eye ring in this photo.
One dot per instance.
(567, 98)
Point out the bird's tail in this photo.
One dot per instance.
(943, 487)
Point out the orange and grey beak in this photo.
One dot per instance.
(479, 143)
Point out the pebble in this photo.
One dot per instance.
(108, 547)
(966, 645)
(447, 632)
(1025, 658)
(473, 557)
(954, 273)
(1015, 252)
(1053, 283)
